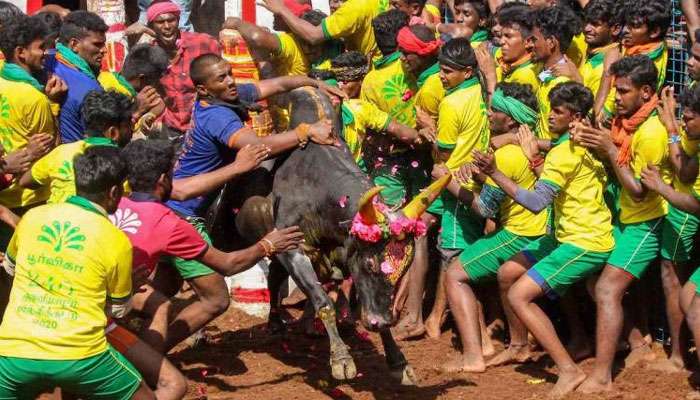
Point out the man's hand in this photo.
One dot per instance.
(16, 162)
(439, 170)
(274, 6)
(486, 63)
(137, 29)
(567, 69)
(231, 23)
(484, 162)
(39, 145)
(250, 157)
(322, 132)
(424, 120)
(528, 142)
(55, 89)
(667, 110)
(464, 174)
(139, 277)
(147, 100)
(651, 178)
(331, 91)
(285, 239)
(595, 139)
(425, 135)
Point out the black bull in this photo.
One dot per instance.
(318, 188)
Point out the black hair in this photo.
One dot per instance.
(421, 3)
(606, 11)
(558, 22)
(653, 13)
(8, 12)
(690, 97)
(314, 17)
(53, 23)
(144, 59)
(320, 74)
(511, 14)
(640, 69)
(79, 24)
(20, 32)
(101, 110)
(146, 161)
(572, 95)
(697, 35)
(480, 7)
(198, 66)
(422, 32)
(352, 59)
(97, 170)
(386, 26)
(459, 50)
(521, 92)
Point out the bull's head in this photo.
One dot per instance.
(384, 249)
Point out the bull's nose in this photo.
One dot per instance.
(376, 324)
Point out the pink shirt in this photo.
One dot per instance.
(155, 230)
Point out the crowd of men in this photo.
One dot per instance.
(570, 170)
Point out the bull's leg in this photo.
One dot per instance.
(275, 323)
(301, 270)
(399, 368)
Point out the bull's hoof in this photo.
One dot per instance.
(275, 324)
(405, 375)
(343, 368)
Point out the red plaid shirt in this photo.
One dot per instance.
(179, 90)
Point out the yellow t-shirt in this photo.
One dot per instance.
(695, 189)
(511, 161)
(24, 112)
(543, 103)
(577, 50)
(463, 124)
(690, 147)
(581, 217)
(69, 260)
(55, 170)
(109, 81)
(352, 22)
(289, 59)
(592, 71)
(388, 88)
(365, 116)
(430, 94)
(525, 74)
(660, 61)
(649, 146)
(434, 11)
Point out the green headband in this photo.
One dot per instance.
(514, 108)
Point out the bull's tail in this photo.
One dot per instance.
(255, 218)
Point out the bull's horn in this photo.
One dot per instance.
(422, 201)
(370, 215)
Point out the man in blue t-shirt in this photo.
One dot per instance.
(217, 133)
(79, 53)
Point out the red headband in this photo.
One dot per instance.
(158, 9)
(411, 43)
(297, 9)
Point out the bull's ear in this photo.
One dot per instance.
(424, 199)
(370, 215)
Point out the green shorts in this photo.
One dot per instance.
(678, 235)
(556, 266)
(695, 278)
(482, 259)
(637, 246)
(460, 226)
(401, 180)
(190, 269)
(106, 376)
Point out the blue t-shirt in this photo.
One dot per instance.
(206, 147)
(70, 120)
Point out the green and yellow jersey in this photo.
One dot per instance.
(388, 88)
(352, 23)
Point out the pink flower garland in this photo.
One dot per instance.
(374, 232)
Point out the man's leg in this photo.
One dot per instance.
(213, 300)
(157, 306)
(690, 302)
(433, 324)
(579, 346)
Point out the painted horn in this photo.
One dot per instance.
(370, 215)
(424, 199)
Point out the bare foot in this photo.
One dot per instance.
(579, 349)
(433, 327)
(567, 383)
(513, 354)
(460, 363)
(668, 365)
(641, 353)
(409, 332)
(592, 385)
(487, 347)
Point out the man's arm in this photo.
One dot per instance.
(692, 17)
(321, 132)
(282, 84)
(305, 30)
(119, 282)
(254, 35)
(651, 178)
(684, 165)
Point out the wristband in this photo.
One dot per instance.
(538, 161)
(674, 138)
(302, 132)
(271, 249)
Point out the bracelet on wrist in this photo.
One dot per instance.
(302, 132)
(674, 138)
